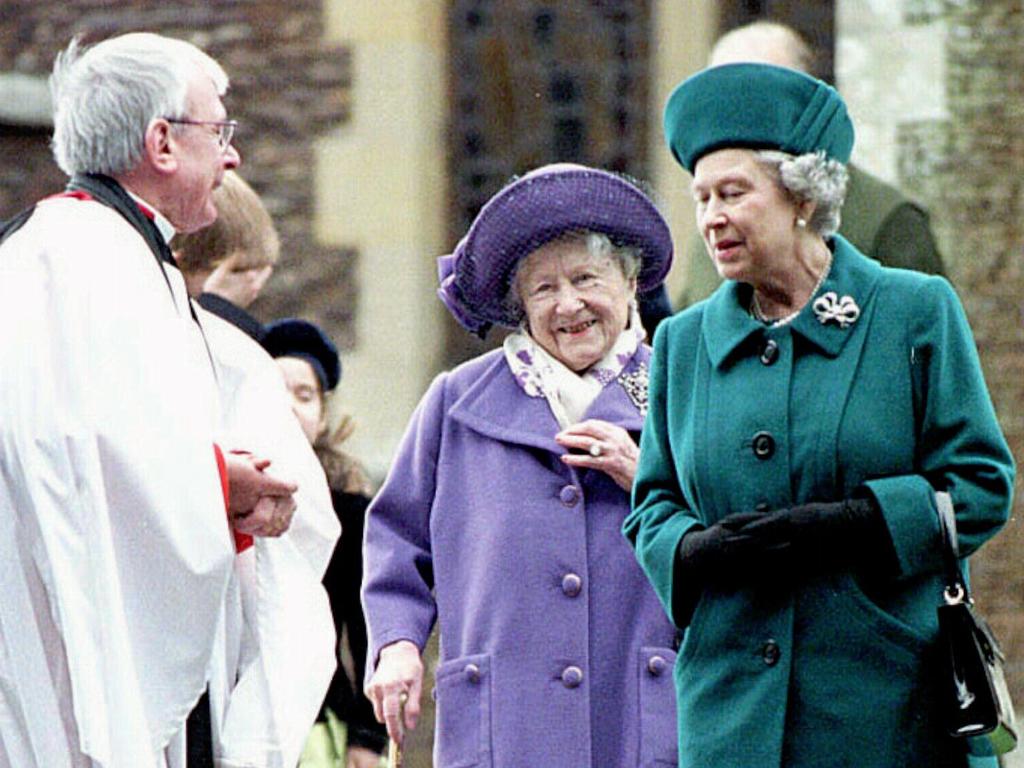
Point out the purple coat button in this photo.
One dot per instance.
(656, 665)
(569, 495)
(572, 584)
(572, 677)
(472, 672)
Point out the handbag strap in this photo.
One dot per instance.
(956, 587)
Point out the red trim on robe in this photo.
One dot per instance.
(79, 194)
(242, 540)
(146, 211)
(76, 194)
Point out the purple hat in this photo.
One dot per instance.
(533, 210)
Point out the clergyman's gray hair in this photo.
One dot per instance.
(813, 177)
(105, 97)
(628, 258)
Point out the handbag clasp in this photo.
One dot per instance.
(954, 595)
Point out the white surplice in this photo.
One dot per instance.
(115, 552)
(276, 649)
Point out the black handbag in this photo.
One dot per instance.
(978, 704)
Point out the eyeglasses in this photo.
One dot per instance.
(225, 128)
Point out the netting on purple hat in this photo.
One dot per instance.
(536, 209)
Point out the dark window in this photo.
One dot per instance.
(542, 81)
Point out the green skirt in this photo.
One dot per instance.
(325, 747)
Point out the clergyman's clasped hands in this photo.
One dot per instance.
(748, 545)
(259, 503)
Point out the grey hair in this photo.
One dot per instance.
(105, 97)
(628, 258)
(811, 177)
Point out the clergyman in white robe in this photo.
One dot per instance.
(115, 549)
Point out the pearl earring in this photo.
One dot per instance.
(802, 223)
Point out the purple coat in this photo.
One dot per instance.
(554, 648)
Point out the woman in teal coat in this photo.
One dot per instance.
(801, 420)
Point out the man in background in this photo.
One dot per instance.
(877, 218)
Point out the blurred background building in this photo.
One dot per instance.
(375, 130)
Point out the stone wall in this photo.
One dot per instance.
(288, 88)
(937, 89)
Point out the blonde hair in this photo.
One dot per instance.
(243, 226)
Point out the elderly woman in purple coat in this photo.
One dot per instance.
(501, 516)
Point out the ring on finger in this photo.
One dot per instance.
(596, 449)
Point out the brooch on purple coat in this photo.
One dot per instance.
(635, 384)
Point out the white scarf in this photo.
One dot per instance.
(569, 394)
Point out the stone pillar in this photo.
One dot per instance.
(937, 90)
(683, 32)
(380, 184)
(874, 41)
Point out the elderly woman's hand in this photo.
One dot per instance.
(399, 671)
(601, 446)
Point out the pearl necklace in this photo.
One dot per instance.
(759, 315)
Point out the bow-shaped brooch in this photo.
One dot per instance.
(635, 385)
(844, 312)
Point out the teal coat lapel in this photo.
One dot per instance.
(727, 325)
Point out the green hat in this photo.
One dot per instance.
(757, 106)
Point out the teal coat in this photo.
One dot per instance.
(819, 670)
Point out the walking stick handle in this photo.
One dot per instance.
(395, 757)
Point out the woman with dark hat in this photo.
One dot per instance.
(801, 421)
(311, 368)
(500, 517)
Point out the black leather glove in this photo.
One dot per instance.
(719, 556)
(716, 552)
(836, 534)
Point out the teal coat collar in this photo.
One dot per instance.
(727, 325)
